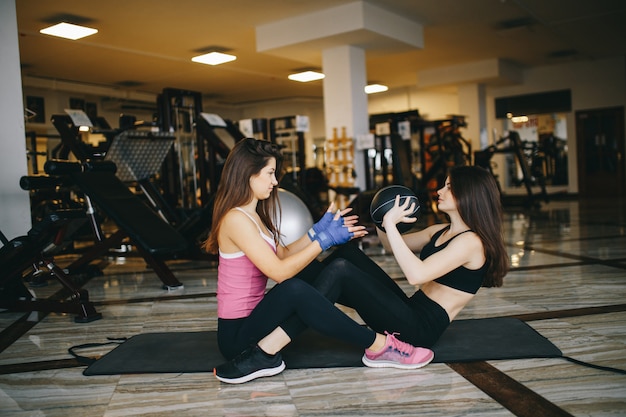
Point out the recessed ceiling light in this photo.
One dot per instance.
(375, 88)
(68, 31)
(519, 119)
(214, 58)
(306, 76)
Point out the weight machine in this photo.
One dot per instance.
(528, 158)
(421, 152)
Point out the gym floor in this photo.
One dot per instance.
(567, 281)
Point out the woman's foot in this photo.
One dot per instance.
(252, 363)
(398, 354)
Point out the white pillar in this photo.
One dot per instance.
(14, 202)
(472, 103)
(345, 101)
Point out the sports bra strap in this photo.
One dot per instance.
(250, 217)
(268, 238)
(441, 232)
(464, 231)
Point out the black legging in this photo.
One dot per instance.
(351, 278)
(296, 299)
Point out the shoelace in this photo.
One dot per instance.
(399, 346)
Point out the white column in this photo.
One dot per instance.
(345, 101)
(14, 202)
(472, 103)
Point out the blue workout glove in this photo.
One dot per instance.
(322, 224)
(334, 234)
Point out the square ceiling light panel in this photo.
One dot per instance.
(306, 76)
(68, 31)
(214, 58)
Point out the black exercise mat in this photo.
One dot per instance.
(186, 352)
(492, 339)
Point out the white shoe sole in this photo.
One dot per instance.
(254, 375)
(391, 364)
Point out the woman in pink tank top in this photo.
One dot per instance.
(244, 232)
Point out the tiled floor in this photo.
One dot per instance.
(568, 282)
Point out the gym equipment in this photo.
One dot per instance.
(523, 153)
(397, 152)
(444, 149)
(416, 153)
(35, 251)
(154, 238)
(385, 199)
(138, 156)
(340, 166)
(288, 132)
(295, 219)
(191, 171)
(183, 180)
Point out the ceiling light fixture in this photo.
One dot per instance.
(517, 119)
(306, 76)
(214, 58)
(375, 88)
(68, 31)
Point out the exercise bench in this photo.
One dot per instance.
(154, 239)
(35, 250)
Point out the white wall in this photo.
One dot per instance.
(14, 202)
(431, 104)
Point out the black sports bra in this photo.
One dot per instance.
(461, 278)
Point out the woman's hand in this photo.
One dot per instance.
(337, 233)
(399, 213)
(351, 222)
(324, 222)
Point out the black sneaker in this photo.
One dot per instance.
(252, 363)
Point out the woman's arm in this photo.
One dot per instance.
(239, 233)
(414, 240)
(464, 250)
(349, 221)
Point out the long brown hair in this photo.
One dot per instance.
(479, 204)
(247, 158)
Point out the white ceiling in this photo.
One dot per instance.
(147, 45)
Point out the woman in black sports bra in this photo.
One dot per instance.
(455, 260)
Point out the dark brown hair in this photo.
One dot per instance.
(247, 158)
(479, 204)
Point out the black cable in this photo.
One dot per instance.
(591, 365)
(90, 360)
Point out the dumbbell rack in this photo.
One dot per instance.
(340, 165)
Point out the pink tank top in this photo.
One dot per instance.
(240, 284)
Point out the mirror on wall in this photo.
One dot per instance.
(543, 142)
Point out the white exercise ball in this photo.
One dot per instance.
(296, 218)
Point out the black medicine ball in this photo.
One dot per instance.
(384, 200)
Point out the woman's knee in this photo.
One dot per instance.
(347, 251)
(294, 288)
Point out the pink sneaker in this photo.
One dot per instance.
(398, 354)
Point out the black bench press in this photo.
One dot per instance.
(154, 239)
(35, 250)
